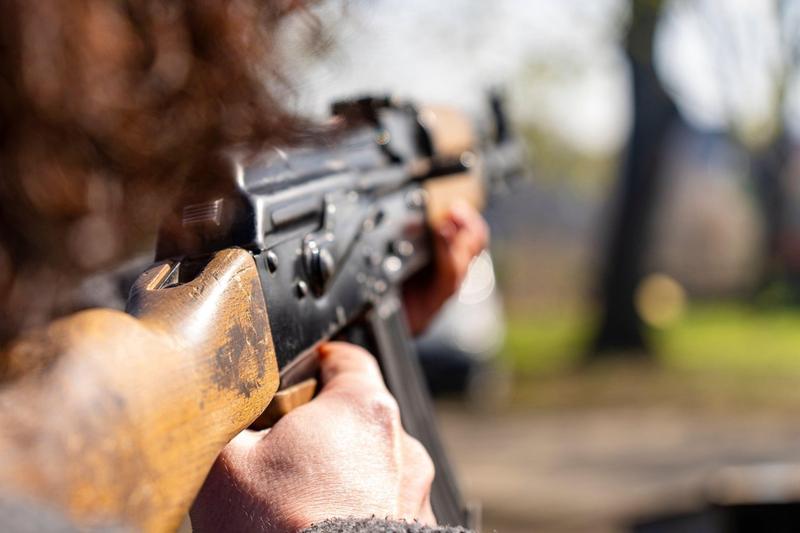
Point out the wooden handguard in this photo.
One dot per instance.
(452, 135)
(286, 401)
(116, 419)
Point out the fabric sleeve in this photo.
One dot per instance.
(377, 525)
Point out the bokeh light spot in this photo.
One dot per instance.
(660, 300)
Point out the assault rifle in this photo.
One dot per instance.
(267, 259)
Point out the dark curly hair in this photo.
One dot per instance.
(106, 107)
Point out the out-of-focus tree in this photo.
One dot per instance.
(770, 164)
(732, 65)
(724, 66)
(621, 330)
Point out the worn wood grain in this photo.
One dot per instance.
(285, 402)
(126, 414)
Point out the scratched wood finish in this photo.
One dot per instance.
(122, 416)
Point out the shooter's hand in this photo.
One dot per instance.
(458, 239)
(344, 454)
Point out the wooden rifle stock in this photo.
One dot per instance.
(116, 419)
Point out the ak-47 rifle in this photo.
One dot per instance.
(123, 414)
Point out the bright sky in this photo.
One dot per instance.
(724, 60)
(560, 60)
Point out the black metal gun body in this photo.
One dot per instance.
(333, 227)
(335, 230)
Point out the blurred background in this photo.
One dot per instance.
(641, 357)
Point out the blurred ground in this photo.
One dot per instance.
(593, 449)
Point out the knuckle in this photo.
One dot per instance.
(385, 404)
(421, 460)
(384, 411)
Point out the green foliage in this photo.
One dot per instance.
(734, 338)
(546, 344)
(721, 338)
(724, 357)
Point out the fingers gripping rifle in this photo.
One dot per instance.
(273, 256)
